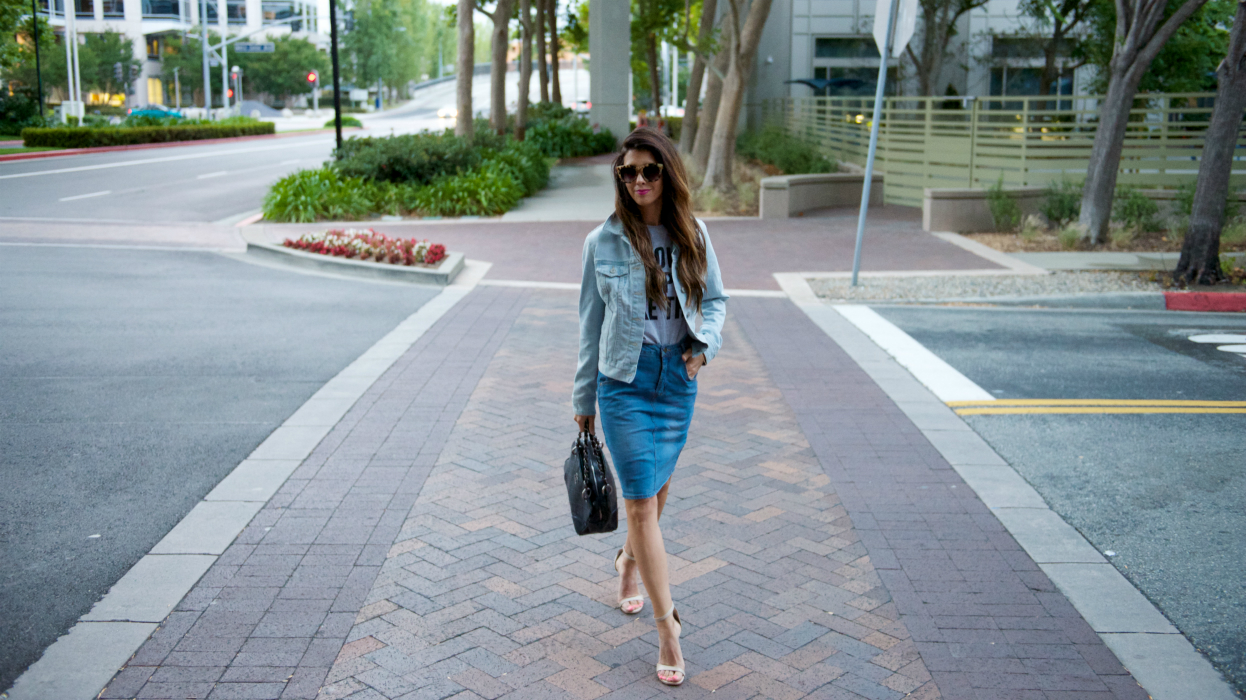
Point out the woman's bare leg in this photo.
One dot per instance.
(629, 584)
(645, 537)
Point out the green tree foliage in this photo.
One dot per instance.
(283, 73)
(98, 57)
(1187, 63)
(187, 57)
(574, 35)
(10, 17)
(655, 21)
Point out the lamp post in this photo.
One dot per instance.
(337, 83)
(203, 44)
(34, 24)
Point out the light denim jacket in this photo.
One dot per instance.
(613, 305)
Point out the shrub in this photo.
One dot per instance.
(569, 136)
(127, 136)
(18, 111)
(786, 152)
(346, 121)
(308, 195)
(527, 164)
(1062, 203)
(1005, 211)
(410, 158)
(1134, 209)
(1031, 227)
(1070, 236)
(485, 191)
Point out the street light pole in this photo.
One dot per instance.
(34, 23)
(203, 44)
(177, 87)
(337, 83)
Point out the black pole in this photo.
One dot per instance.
(34, 23)
(337, 82)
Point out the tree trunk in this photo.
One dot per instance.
(542, 59)
(1200, 253)
(465, 66)
(525, 67)
(497, 77)
(655, 77)
(1137, 43)
(692, 101)
(747, 34)
(713, 97)
(555, 82)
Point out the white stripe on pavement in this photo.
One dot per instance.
(218, 173)
(85, 196)
(166, 159)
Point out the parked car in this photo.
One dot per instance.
(154, 111)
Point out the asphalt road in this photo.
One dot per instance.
(131, 383)
(201, 183)
(1165, 491)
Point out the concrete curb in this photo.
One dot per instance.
(441, 275)
(1160, 658)
(78, 665)
(999, 258)
(1205, 301)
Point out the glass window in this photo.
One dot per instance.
(160, 8)
(854, 47)
(853, 82)
(114, 8)
(237, 10)
(1016, 47)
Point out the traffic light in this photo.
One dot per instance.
(313, 77)
(231, 93)
(233, 75)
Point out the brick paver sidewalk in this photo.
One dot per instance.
(819, 546)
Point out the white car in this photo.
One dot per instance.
(447, 113)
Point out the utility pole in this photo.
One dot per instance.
(337, 83)
(177, 87)
(222, 19)
(34, 23)
(203, 44)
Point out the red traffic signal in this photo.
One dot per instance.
(231, 93)
(313, 77)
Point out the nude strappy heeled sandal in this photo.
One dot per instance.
(664, 667)
(623, 604)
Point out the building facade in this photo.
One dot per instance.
(149, 24)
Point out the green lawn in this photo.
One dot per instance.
(9, 151)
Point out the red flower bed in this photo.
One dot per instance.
(368, 245)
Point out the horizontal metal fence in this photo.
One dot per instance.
(1028, 141)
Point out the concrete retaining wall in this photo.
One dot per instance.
(785, 196)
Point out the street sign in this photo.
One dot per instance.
(906, 22)
(268, 47)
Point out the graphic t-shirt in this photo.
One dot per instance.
(664, 327)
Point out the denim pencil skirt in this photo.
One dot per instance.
(646, 422)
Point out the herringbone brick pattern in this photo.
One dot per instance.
(488, 593)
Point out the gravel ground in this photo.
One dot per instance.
(964, 287)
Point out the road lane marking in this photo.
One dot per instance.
(1034, 410)
(292, 161)
(1099, 402)
(218, 173)
(85, 196)
(166, 159)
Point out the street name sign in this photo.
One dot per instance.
(267, 47)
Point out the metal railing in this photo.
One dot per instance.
(1028, 141)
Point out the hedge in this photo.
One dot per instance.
(128, 136)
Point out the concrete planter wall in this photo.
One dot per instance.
(441, 275)
(785, 196)
(966, 211)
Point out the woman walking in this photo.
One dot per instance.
(651, 316)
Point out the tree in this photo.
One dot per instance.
(1186, 63)
(501, 17)
(51, 52)
(381, 47)
(525, 67)
(1064, 21)
(1200, 253)
(1139, 37)
(551, 15)
(542, 59)
(692, 101)
(713, 98)
(283, 72)
(11, 13)
(745, 32)
(464, 67)
(938, 26)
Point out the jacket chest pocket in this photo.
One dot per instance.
(612, 282)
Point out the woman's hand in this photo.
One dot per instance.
(694, 364)
(585, 423)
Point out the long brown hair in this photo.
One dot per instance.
(676, 217)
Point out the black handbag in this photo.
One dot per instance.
(590, 488)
